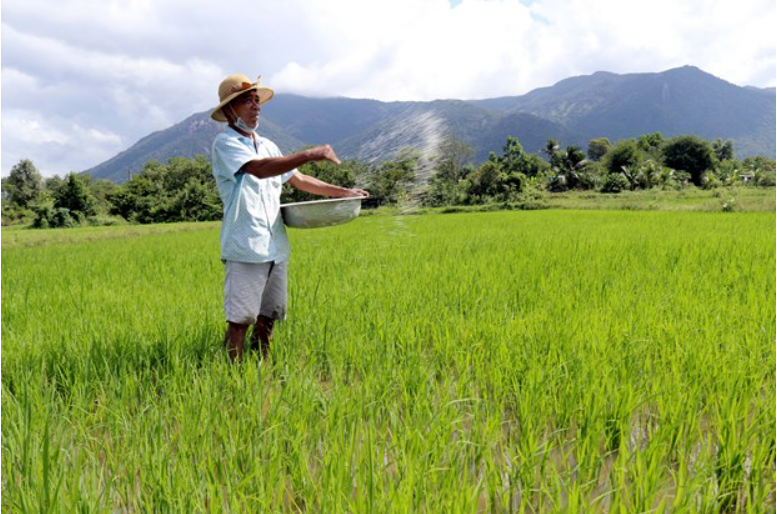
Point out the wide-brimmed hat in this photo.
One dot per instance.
(234, 86)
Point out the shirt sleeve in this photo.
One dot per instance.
(229, 155)
(274, 151)
(287, 176)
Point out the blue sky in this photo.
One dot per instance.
(83, 80)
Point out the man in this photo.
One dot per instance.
(250, 171)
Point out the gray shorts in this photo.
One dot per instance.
(251, 289)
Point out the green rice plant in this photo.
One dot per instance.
(523, 361)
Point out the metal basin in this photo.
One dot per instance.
(321, 213)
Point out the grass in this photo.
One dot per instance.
(17, 236)
(541, 361)
(738, 199)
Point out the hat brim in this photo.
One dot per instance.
(265, 95)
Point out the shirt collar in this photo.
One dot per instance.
(241, 136)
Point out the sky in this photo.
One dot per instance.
(82, 80)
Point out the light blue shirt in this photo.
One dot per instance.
(252, 229)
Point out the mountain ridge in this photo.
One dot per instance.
(684, 100)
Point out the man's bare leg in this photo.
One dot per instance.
(235, 339)
(262, 334)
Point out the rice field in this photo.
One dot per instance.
(545, 361)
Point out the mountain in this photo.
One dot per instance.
(679, 101)
(323, 120)
(683, 100)
(188, 138)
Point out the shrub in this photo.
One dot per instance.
(48, 216)
(615, 183)
(106, 221)
(625, 153)
(766, 179)
(689, 153)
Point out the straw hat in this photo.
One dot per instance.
(234, 86)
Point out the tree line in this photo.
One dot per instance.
(184, 189)
(649, 161)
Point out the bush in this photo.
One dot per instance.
(766, 179)
(390, 182)
(43, 215)
(689, 153)
(625, 153)
(729, 205)
(615, 183)
(710, 181)
(181, 190)
(106, 221)
(15, 215)
(48, 216)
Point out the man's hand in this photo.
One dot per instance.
(323, 153)
(356, 192)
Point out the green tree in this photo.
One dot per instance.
(450, 168)
(762, 170)
(645, 174)
(51, 184)
(625, 153)
(727, 172)
(759, 162)
(513, 159)
(389, 183)
(194, 202)
(181, 190)
(551, 147)
(514, 167)
(598, 148)
(485, 183)
(503, 178)
(517, 163)
(723, 150)
(180, 171)
(567, 166)
(650, 142)
(691, 154)
(139, 199)
(614, 183)
(24, 184)
(71, 203)
(102, 190)
(74, 195)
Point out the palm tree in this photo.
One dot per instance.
(566, 165)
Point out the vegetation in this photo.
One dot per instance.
(185, 190)
(646, 163)
(181, 190)
(21, 189)
(389, 182)
(545, 361)
(54, 202)
(343, 175)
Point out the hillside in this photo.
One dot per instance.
(575, 110)
(679, 101)
(188, 138)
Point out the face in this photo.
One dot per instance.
(247, 107)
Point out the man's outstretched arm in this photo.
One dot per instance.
(274, 166)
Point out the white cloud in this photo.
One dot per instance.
(427, 50)
(124, 68)
(56, 146)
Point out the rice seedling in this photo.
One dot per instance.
(537, 361)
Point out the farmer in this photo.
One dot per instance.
(250, 171)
